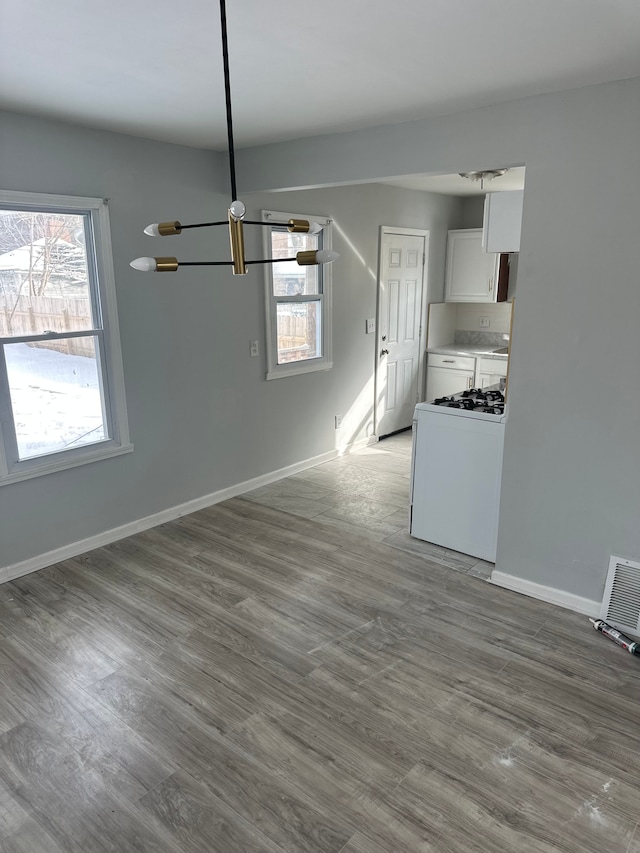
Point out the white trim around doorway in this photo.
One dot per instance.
(411, 232)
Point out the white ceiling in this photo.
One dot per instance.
(153, 67)
(513, 179)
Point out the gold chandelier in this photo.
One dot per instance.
(236, 212)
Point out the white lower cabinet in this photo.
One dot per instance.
(486, 380)
(452, 374)
(449, 374)
(490, 371)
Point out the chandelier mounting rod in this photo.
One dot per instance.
(227, 96)
(235, 213)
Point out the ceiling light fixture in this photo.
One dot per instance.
(487, 175)
(235, 214)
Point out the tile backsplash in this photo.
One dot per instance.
(459, 323)
(468, 317)
(489, 339)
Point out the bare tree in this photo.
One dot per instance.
(51, 259)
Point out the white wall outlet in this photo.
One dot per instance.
(338, 421)
(253, 349)
(371, 327)
(485, 322)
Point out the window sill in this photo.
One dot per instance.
(299, 369)
(63, 465)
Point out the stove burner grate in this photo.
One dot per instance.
(474, 400)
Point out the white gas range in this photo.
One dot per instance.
(484, 403)
(456, 471)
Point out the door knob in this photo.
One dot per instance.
(384, 352)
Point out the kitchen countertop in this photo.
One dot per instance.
(471, 350)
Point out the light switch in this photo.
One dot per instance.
(371, 326)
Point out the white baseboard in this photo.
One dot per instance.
(73, 549)
(546, 593)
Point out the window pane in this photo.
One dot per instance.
(289, 279)
(56, 396)
(299, 331)
(44, 280)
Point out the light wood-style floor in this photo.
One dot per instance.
(365, 493)
(248, 680)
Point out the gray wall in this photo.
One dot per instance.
(201, 414)
(472, 212)
(571, 481)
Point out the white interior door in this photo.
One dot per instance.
(400, 308)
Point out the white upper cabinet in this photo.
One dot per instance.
(471, 274)
(502, 221)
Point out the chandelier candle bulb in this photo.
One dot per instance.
(155, 264)
(144, 264)
(326, 256)
(314, 257)
(163, 229)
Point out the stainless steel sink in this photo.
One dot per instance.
(501, 351)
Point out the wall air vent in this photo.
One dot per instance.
(621, 602)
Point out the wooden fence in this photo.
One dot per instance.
(296, 337)
(35, 315)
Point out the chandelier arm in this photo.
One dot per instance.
(227, 95)
(271, 260)
(265, 224)
(205, 263)
(244, 222)
(205, 224)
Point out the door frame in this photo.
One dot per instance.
(410, 232)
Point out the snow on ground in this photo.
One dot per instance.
(55, 397)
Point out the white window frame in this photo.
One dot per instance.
(295, 368)
(100, 262)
